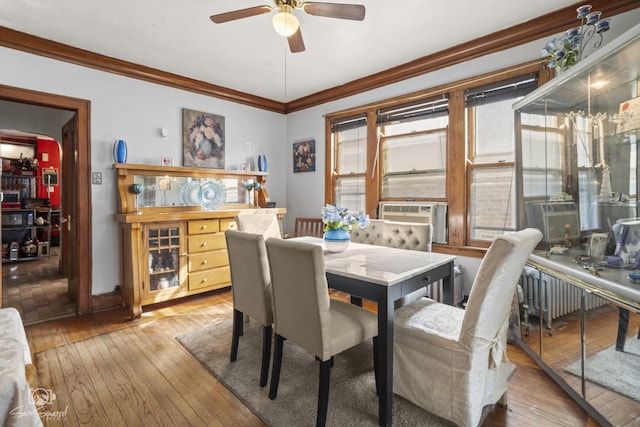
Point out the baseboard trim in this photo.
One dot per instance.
(106, 301)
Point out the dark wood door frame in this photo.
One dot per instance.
(81, 267)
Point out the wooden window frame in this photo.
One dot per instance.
(458, 164)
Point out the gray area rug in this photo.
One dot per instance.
(352, 397)
(615, 370)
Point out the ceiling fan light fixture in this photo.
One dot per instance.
(285, 23)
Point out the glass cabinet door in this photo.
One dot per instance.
(165, 249)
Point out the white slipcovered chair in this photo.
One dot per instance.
(251, 290)
(452, 362)
(305, 315)
(259, 223)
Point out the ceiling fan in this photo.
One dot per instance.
(285, 22)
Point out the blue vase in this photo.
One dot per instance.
(120, 151)
(262, 163)
(336, 240)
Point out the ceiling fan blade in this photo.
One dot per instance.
(296, 44)
(335, 10)
(242, 13)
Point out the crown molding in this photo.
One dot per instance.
(534, 29)
(531, 30)
(39, 46)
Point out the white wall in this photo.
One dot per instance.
(124, 108)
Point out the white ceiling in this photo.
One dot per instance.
(247, 55)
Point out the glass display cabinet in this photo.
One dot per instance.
(173, 221)
(577, 181)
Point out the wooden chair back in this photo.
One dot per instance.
(313, 227)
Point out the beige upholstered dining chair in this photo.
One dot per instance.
(452, 362)
(412, 236)
(251, 290)
(371, 234)
(305, 315)
(407, 235)
(259, 223)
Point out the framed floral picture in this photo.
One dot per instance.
(202, 139)
(304, 156)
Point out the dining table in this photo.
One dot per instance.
(383, 275)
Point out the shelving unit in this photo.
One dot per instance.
(21, 224)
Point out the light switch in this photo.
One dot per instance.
(45, 157)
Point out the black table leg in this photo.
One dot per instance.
(623, 327)
(385, 359)
(447, 286)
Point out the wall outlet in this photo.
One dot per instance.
(96, 178)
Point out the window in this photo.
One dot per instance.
(454, 144)
(349, 162)
(413, 143)
(491, 143)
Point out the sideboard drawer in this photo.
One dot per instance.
(203, 226)
(228, 224)
(206, 242)
(205, 260)
(213, 278)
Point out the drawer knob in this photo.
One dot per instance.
(205, 261)
(204, 243)
(204, 279)
(204, 227)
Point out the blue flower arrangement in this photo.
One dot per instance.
(567, 50)
(335, 218)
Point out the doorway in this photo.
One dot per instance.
(75, 180)
(32, 280)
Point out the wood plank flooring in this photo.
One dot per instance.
(36, 289)
(136, 374)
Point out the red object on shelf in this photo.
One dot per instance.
(49, 164)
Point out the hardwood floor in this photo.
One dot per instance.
(36, 289)
(136, 373)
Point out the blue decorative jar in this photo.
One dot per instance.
(262, 163)
(120, 151)
(337, 240)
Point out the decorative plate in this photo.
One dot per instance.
(212, 194)
(189, 193)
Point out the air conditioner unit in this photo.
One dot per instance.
(434, 213)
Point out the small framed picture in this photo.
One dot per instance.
(245, 167)
(304, 156)
(167, 161)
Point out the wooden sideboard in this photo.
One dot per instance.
(174, 248)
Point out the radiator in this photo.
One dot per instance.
(435, 290)
(555, 298)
